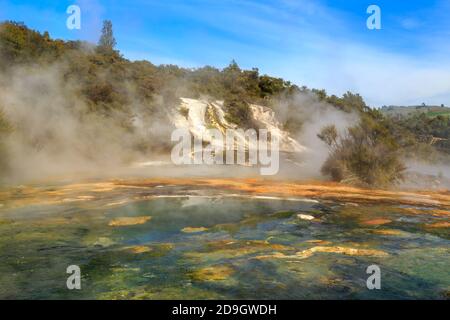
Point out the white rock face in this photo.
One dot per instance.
(203, 115)
(267, 118)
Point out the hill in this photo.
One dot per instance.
(71, 106)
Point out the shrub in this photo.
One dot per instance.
(238, 112)
(184, 112)
(364, 155)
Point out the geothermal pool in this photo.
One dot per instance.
(166, 240)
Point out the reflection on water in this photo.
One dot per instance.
(218, 244)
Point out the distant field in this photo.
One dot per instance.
(433, 114)
(430, 111)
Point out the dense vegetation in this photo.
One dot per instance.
(433, 131)
(365, 155)
(112, 86)
(102, 71)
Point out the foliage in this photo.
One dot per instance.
(348, 102)
(107, 41)
(369, 153)
(22, 45)
(365, 155)
(184, 112)
(434, 130)
(238, 112)
(329, 135)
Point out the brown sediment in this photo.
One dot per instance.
(434, 212)
(388, 232)
(437, 201)
(230, 249)
(440, 213)
(331, 281)
(128, 221)
(212, 273)
(442, 224)
(316, 190)
(194, 229)
(342, 250)
(318, 241)
(246, 245)
(376, 222)
(327, 249)
(138, 249)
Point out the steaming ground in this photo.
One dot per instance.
(55, 137)
(422, 175)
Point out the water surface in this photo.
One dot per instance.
(205, 244)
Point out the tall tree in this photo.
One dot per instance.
(107, 40)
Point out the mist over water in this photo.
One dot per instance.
(54, 133)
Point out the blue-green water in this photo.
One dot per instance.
(233, 252)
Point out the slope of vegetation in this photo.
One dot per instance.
(114, 89)
(433, 131)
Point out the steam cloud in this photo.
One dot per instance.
(55, 134)
(313, 115)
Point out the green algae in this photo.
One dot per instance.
(157, 260)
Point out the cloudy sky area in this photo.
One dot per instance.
(317, 43)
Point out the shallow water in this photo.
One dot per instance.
(216, 244)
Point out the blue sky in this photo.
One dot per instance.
(318, 43)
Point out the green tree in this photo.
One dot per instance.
(329, 135)
(107, 41)
(238, 112)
